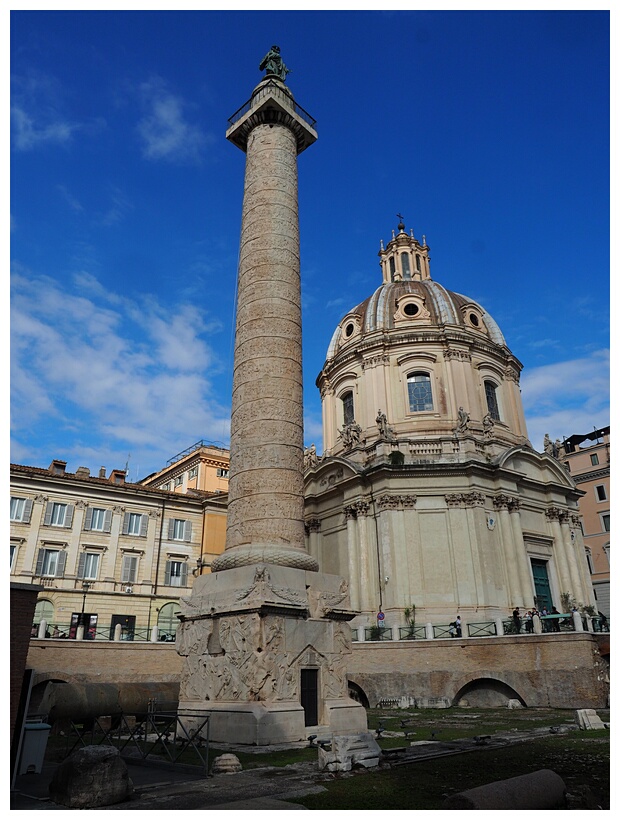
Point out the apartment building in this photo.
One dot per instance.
(587, 459)
(109, 552)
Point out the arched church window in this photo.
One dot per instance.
(392, 268)
(404, 258)
(347, 408)
(43, 611)
(418, 264)
(490, 390)
(420, 392)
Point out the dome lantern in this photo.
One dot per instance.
(404, 259)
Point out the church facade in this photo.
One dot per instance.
(429, 497)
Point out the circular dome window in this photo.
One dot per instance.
(474, 320)
(348, 331)
(411, 309)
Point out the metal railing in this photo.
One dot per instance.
(411, 633)
(484, 629)
(377, 633)
(272, 87)
(106, 633)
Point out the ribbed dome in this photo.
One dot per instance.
(429, 304)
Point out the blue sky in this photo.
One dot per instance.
(488, 131)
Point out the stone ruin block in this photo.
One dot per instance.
(588, 719)
(91, 777)
(226, 764)
(348, 751)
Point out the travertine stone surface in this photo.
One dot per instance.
(266, 505)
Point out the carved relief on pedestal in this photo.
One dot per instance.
(334, 679)
(321, 603)
(262, 588)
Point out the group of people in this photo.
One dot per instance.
(456, 630)
(550, 625)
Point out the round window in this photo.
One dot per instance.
(474, 320)
(410, 309)
(348, 331)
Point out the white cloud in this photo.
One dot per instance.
(36, 118)
(98, 374)
(164, 130)
(566, 398)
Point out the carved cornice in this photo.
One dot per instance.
(155, 514)
(511, 375)
(350, 512)
(362, 507)
(553, 513)
(575, 520)
(41, 499)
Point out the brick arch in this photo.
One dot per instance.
(489, 692)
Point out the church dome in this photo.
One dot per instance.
(394, 305)
(416, 362)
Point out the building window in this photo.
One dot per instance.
(167, 620)
(58, 515)
(88, 566)
(43, 611)
(490, 390)
(601, 493)
(347, 408)
(589, 560)
(404, 258)
(420, 392)
(392, 268)
(567, 466)
(193, 472)
(98, 519)
(166, 486)
(178, 480)
(593, 459)
(51, 563)
(129, 571)
(135, 524)
(179, 530)
(176, 574)
(417, 262)
(605, 522)
(13, 555)
(21, 509)
(222, 473)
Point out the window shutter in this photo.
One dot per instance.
(168, 571)
(107, 521)
(69, 515)
(39, 567)
(183, 574)
(188, 531)
(60, 567)
(88, 519)
(126, 523)
(171, 529)
(27, 511)
(129, 569)
(81, 562)
(144, 526)
(48, 513)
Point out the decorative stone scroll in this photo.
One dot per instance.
(331, 478)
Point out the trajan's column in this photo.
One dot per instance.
(265, 635)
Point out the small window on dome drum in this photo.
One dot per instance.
(420, 392)
(392, 268)
(417, 263)
(474, 320)
(348, 331)
(490, 390)
(347, 408)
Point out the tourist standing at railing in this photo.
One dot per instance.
(529, 623)
(457, 624)
(516, 619)
(603, 622)
(555, 623)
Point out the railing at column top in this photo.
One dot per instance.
(272, 86)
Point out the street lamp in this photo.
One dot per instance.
(86, 585)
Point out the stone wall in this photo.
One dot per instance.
(560, 671)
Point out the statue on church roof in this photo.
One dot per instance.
(463, 421)
(272, 63)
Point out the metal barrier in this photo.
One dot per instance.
(159, 733)
(377, 633)
(411, 633)
(445, 631)
(483, 629)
